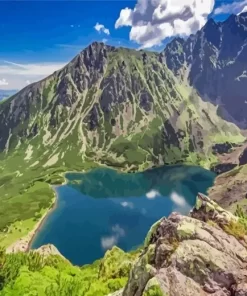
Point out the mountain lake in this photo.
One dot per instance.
(103, 207)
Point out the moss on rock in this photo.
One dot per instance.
(153, 288)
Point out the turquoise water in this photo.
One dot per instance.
(102, 208)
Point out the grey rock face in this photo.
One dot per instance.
(187, 256)
(214, 60)
(243, 158)
(108, 97)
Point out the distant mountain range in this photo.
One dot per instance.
(214, 62)
(125, 108)
(5, 93)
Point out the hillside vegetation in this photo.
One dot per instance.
(204, 254)
(109, 106)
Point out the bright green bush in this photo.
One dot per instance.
(32, 274)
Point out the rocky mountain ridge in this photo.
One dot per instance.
(213, 61)
(105, 99)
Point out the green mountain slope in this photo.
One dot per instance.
(111, 106)
(115, 105)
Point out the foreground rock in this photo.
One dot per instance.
(230, 189)
(193, 255)
(229, 156)
(47, 250)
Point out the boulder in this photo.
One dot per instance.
(189, 256)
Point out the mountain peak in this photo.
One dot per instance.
(211, 22)
(98, 45)
(216, 61)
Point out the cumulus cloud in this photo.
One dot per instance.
(3, 82)
(152, 194)
(152, 21)
(107, 242)
(101, 28)
(234, 7)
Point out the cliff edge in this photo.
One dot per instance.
(204, 254)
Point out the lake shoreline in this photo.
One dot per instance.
(24, 244)
(41, 222)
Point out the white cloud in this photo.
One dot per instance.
(178, 199)
(70, 46)
(180, 203)
(127, 204)
(38, 69)
(28, 82)
(234, 7)
(3, 82)
(152, 21)
(101, 28)
(107, 242)
(118, 230)
(18, 75)
(152, 194)
(104, 40)
(244, 9)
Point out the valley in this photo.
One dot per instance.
(94, 154)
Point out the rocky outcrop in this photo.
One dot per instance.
(222, 148)
(223, 168)
(229, 156)
(47, 250)
(193, 255)
(230, 189)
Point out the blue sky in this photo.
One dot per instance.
(38, 37)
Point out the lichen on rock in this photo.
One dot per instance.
(187, 256)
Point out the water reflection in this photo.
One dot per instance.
(102, 208)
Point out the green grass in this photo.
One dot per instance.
(236, 229)
(19, 229)
(32, 274)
